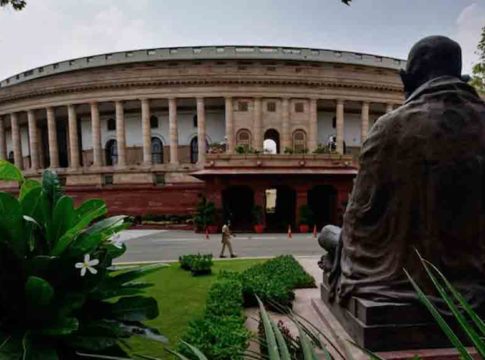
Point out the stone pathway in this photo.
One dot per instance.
(308, 305)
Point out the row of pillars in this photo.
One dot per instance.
(74, 162)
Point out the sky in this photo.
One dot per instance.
(49, 31)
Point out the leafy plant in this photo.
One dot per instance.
(205, 214)
(220, 334)
(60, 296)
(197, 264)
(307, 216)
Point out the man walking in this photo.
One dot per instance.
(226, 240)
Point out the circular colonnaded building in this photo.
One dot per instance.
(128, 127)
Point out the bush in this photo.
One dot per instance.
(197, 264)
(221, 333)
(59, 295)
(225, 299)
(274, 281)
(205, 214)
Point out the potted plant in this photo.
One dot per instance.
(258, 219)
(307, 218)
(205, 216)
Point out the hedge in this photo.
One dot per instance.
(220, 334)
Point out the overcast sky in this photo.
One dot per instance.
(52, 30)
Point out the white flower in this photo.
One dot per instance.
(87, 264)
(116, 241)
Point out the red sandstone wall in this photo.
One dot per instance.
(141, 200)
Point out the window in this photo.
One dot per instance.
(111, 153)
(271, 106)
(111, 124)
(194, 121)
(242, 106)
(243, 138)
(153, 122)
(10, 157)
(299, 107)
(157, 150)
(299, 141)
(194, 150)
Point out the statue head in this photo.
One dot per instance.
(429, 58)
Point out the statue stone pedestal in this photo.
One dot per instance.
(380, 326)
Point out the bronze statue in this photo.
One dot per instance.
(421, 186)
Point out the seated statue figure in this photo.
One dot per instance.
(420, 187)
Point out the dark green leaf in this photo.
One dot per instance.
(63, 326)
(63, 218)
(12, 223)
(51, 187)
(74, 231)
(38, 291)
(27, 186)
(134, 308)
(9, 172)
(97, 233)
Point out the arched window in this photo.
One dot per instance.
(243, 138)
(157, 151)
(11, 157)
(299, 141)
(111, 124)
(153, 122)
(111, 153)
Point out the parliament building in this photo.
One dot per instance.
(152, 130)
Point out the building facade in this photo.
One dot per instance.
(127, 127)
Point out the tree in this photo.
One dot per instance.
(16, 4)
(478, 71)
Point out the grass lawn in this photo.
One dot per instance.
(181, 297)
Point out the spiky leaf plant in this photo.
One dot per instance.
(59, 296)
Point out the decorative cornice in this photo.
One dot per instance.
(201, 82)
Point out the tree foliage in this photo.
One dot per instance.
(478, 71)
(16, 4)
(60, 296)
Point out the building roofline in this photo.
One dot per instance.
(213, 52)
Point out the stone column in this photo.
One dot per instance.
(16, 141)
(52, 135)
(173, 131)
(201, 130)
(33, 140)
(146, 132)
(389, 107)
(96, 135)
(285, 136)
(257, 125)
(230, 143)
(3, 142)
(340, 126)
(73, 137)
(364, 122)
(313, 127)
(120, 133)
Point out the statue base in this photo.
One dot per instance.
(380, 326)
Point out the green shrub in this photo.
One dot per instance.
(201, 265)
(205, 214)
(59, 295)
(274, 281)
(221, 333)
(197, 264)
(185, 261)
(225, 299)
(222, 338)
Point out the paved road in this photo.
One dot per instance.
(153, 245)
